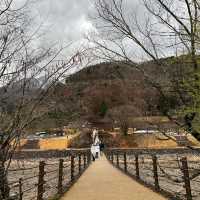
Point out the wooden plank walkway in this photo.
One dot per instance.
(102, 181)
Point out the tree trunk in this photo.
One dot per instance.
(4, 187)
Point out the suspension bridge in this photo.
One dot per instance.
(102, 181)
(120, 174)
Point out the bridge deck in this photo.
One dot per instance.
(102, 181)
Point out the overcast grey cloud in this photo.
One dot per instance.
(64, 20)
(67, 21)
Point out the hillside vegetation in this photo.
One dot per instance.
(108, 91)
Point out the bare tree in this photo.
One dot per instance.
(168, 28)
(122, 116)
(21, 67)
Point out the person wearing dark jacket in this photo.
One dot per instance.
(101, 147)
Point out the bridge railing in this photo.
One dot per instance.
(48, 178)
(174, 175)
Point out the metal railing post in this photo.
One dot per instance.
(125, 162)
(41, 181)
(79, 163)
(72, 168)
(60, 177)
(155, 173)
(20, 189)
(137, 167)
(117, 160)
(88, 158)
(112, 158)
(84, 160)
(186, 178)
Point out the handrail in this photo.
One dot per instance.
(49, 175)
(175, 173)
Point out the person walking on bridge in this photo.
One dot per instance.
(93, 151)
(95, 143)
(94, 133)
(101, 145)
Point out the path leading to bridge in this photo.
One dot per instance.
(102, 181)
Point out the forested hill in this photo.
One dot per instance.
(104, 90)
(104, 71)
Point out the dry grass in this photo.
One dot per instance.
(147, 141)
(144, 141)
(54, 143)
(193, 140)
(150, 119)
(152, 141)
(57, 143)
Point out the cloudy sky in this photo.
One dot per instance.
(65, 20)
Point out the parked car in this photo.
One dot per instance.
(146, 131)
(32, 137)
(42, 134)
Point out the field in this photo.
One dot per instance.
(58, 143)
